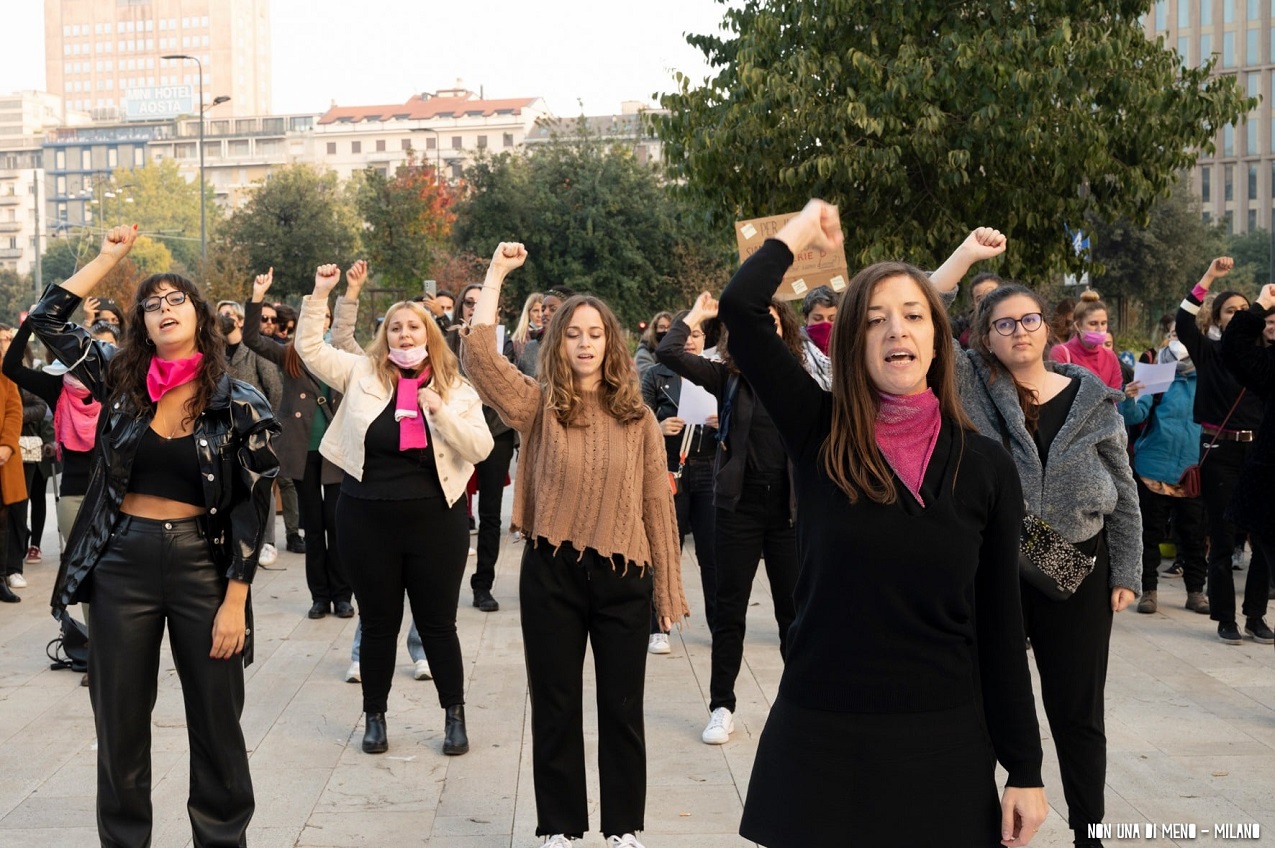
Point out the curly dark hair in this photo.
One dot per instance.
(127, 371)
(792, 336)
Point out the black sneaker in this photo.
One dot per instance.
(1174, 570)
(296, 543)
(1229, 633)
(484, 600)
(1256, 628)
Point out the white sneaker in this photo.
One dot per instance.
(353, 674)
(473, 552)
(268, 555)
(558, 840)
(17, 581)
(658, 644)
(420, 670)
(628, 840)
(721, 724)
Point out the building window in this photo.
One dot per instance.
(112, 157)
(1252, 53)
(1228, 183)
(61, 187)
(1206, 48)
(431, 141)
(456, 143)
(1206, 13)
(456, 170)
(1228, 11)
(86, 160)
(482, 142)
(1161, 15)
(1252, 181)
(1184, 14)
(139, 156)
(1250, 139)
(405, 144)
(59, 160)
(331, 148)
(509, 139)
(356, 147)
(1228, 140)
(380, 145)
(1228, 50)
(1252, 220)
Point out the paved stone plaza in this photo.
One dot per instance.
(1191, 724)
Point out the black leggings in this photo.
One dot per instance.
(155, 573)
(417, 546)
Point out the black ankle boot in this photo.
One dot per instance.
(455, 740)
(7, 595)
(374, 741)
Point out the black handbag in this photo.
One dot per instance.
(1047, 561)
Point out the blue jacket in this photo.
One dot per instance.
(1171, 440)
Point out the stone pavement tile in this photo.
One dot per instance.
(379, 829)
(682, 810)
(40, 811)
(286, 795)
(53, 836)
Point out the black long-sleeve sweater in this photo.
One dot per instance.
(886, 614)
(1216, 388)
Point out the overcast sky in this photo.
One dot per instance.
(382, 51)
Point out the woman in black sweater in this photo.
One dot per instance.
(1229, 423)
(895, 675)
(752, 493)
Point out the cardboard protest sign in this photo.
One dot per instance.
(809, 270)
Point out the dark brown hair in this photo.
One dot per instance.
(619, 394)
(851, 458)
(980, 333)
(648, 336)
(128, 368)
(791, 329)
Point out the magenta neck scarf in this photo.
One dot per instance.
(408, 413)
(165, 375)
(74, 421)
(907, 431)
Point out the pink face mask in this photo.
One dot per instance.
(820, 334)
(410, 357)
(1093, 339)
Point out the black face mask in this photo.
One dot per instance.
(659, 335)
(226, 324)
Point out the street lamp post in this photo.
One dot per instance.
(203, 214)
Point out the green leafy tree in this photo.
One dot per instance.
(923, 120)
(164, 205)
(16, 295)
(407, 219)
(296, 220)
(1252, 254)
(594, 219)
(1152, 266)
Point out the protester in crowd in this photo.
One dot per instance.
(415, 651)
(895, 677)
(37, 468)
(407, 435)
(982, 285)
(1068, 441)
(528, 329)
(592, 497)
(102, 309)
(529, 361)
(1060, 322)
(1087, 346)
(269, 320)
(753, 494)
(306, 410)
(1247, 351)
(819, 311)
(167, 539)
(690, 451)
(245, 365)
(287, 324)
(13, 487)
(1161, 335)
(1229, 416)
(651, 337)
(492, 474)
(1169, 442)
(75, 414)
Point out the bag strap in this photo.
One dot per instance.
(1225, 421)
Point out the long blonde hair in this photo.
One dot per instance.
(520, 332)
(619, 394)
(442, 362)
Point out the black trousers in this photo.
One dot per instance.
(760, 525)
(696, 516)
(324, 573)
(152, 574)
(1218, 477)
(413, 546)
(1070, 641)
(571, 599)
(34, 507)
(1189, 528)
(492, 472)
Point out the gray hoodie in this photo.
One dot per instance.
(1088, 482)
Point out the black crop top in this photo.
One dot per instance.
(167, 468)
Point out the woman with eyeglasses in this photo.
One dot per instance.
(167, 538)
(1061, 426)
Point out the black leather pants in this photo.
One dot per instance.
(154, 573)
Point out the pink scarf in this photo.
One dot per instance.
(407, 412)
(907, 431)
(74, 421)
(820, 334)
(167, 374)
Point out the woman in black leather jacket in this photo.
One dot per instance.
(168, 535)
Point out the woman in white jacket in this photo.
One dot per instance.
(407, 435)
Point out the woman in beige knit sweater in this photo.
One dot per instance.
(593, 500)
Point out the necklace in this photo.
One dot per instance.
(163, 425)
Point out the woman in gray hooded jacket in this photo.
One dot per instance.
(1061, 425)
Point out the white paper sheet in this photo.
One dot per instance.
(1155, 378)
(500, 339)
(696, 404)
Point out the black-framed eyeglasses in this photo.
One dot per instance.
(174, 298)
(1031, 322)
(269, 319)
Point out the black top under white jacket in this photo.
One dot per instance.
(237, 463)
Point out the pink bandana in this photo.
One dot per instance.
(74, 421)
(166, 374)
(820, 334)
(407, 412)
(907, 431)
